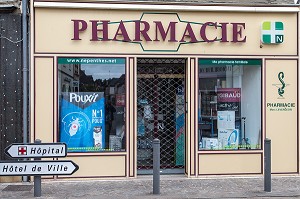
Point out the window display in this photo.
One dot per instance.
(92, 104)
(229, 104)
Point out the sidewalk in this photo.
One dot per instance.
(171, 187)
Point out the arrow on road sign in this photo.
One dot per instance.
(36, 168)
(41, 150)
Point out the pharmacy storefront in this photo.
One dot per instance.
(210, 82)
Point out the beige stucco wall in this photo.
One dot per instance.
(99, 166)
(214, 164)
(43, 113)
(282, 125)
(52, 30)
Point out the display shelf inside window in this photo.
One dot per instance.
(216, 117)
(208, 114)
(228, 122)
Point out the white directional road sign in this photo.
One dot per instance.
(37, 168)
(34, 150)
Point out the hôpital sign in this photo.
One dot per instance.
(36, 150)
(37, 167)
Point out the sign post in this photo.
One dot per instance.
(37, 167)
(37, 179)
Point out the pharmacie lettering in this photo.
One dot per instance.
(99, 30)
(57, 167)
(272, 105)
(83, 98)
(46, 151)
(12, 168)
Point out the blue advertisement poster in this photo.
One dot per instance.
(82, 121)
(180, 125)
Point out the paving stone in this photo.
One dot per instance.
(172, 187)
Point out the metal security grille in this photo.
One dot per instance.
(160, 113)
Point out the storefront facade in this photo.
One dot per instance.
(211, 82)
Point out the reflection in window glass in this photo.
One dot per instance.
(229, 104)
(92, 104)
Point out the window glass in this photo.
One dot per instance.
(229, 104)
(92, 97)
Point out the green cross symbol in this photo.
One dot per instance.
(272, 32)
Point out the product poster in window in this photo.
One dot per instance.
(229, 99)
(82, 124)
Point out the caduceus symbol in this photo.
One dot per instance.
(281, 90)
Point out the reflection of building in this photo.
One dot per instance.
(115, 86)
(115, 93)
(86, 81)
(69, 77)
(76, 74)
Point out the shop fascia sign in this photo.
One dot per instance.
(193, 32)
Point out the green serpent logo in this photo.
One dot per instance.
(281, 89)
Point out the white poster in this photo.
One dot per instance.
(226, 120)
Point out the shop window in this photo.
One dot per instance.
(92, 95)
(229, 108)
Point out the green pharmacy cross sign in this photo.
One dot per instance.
(272, 32)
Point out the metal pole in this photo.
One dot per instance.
(37, 179)
(25, 71)
(267, 161)
(156, 166)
